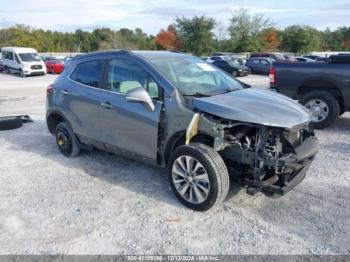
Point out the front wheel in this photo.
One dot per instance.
(235, 73)
(21, 73)
(198, 176)
(323, 106)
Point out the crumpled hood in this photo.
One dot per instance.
(255, 106)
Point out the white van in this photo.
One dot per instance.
(25, 61)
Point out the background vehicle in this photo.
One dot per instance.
(24, 61)
(260, 65)
(323, 88)
(233, 67)
(2, 66)
(275, 56)
(304, 59)
(221, 57)
(176, 111)
(313, 57)
(55, 66)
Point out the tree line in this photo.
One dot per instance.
(200, 35)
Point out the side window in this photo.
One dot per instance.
(17, 59)
(264, 62)
(125, 75)
(8, 55)
(89, 73)
(255, 61)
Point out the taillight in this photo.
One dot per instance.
(272, 76)
(49, 89)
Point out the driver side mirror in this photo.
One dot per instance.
(140, 95)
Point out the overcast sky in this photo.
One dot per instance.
(151, 15)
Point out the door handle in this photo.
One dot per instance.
(65, 92)
(107, 105)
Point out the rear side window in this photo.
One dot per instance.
(255, 61)
(89, 73)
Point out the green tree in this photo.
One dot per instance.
(300, 39)
(244, 31)
(196, 34)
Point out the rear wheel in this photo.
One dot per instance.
(323, 106)
(66, 140)
(198, 176)
(235, 73)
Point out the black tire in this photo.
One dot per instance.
(8, 123)
(235, 73)
(53, 71)
(66, 140)
(331, 102)
(216, 171)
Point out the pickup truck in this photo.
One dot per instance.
(323, 88)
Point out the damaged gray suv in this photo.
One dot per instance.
(176, 111)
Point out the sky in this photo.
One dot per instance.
(152, 15)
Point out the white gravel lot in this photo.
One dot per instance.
(104, 204)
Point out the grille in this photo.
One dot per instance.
(36, 67)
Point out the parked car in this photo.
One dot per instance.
(260, 65)
(313, 57)
(241, 61)
(304, 59)
(275, 56)
(2, 65)
(176, 111)
(54, 66)
(323, 88)
(25, 61)
(221, 57)
(232, 67)
(48, 58)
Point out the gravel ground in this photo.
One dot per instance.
(104, 204)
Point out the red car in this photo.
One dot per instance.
(54, 66)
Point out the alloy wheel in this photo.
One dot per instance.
(191, 180)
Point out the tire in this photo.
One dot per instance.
(331, 106)
(53, 71)
(212, 169)
(66, 140)
(235, 73)
(8, 123)
(21, 73)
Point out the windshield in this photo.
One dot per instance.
(192, 76)
(29, 57)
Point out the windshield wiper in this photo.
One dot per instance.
(198, 94)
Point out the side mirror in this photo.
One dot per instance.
(140, 95)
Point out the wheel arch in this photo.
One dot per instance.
(179, 139)
(53, 118)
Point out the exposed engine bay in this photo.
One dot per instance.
(267, 159)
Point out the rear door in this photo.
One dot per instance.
(81, 98)
(130, 126)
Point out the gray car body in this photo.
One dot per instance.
(139, 128)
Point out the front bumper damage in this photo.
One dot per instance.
(276, 173)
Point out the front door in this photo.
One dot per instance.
(128, 125)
